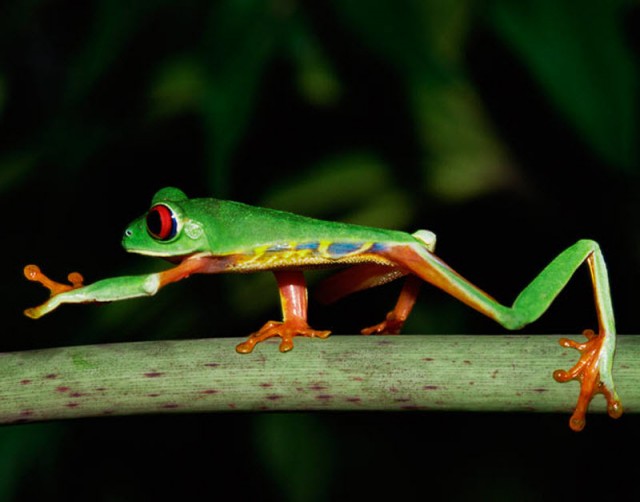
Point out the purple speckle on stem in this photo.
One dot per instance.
(62, 388)
(274, 397)
(72, 405)
(77, 394)
(170, 406)
(430, 387)
(427, 359)
(324, 397)
(354, 399)
(317, 386)
(266, 384)
(51, 376)
(153, 394)
(212, 365)
(209, 391)
(26, 381)
(154, 374)
(26, 413)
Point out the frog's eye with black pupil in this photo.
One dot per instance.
(162, 223)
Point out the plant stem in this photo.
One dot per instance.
(435, 372)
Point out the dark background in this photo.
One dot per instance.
(508, 128)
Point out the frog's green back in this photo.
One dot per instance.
(233, 227)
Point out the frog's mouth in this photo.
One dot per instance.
(157, 254)
(174, 259)
(174, 256)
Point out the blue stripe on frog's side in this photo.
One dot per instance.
(339, 249)
(332, 250)
(377, 247)
(313, 246)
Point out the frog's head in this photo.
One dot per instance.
(166, 230)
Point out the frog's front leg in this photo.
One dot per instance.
(111, 289)
(106, 290)
(293, 298)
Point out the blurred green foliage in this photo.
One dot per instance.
(508, 127)
(582, 60)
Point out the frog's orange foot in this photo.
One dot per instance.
(33, 273)
(587, 372)
(392, 325)
(285, 330)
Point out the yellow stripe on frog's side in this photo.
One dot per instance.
(309, 253)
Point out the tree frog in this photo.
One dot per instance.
(209, 236)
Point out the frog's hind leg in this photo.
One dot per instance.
(395, 319)
(594, 369)
(355, 278)
(369, 275)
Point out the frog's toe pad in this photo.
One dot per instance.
(33, 273)
(285, 330)
(587, 372)
(392, 325)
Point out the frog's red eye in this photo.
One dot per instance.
(162, 223)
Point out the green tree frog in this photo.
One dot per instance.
(209, 236)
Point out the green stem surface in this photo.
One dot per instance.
(411, 372)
